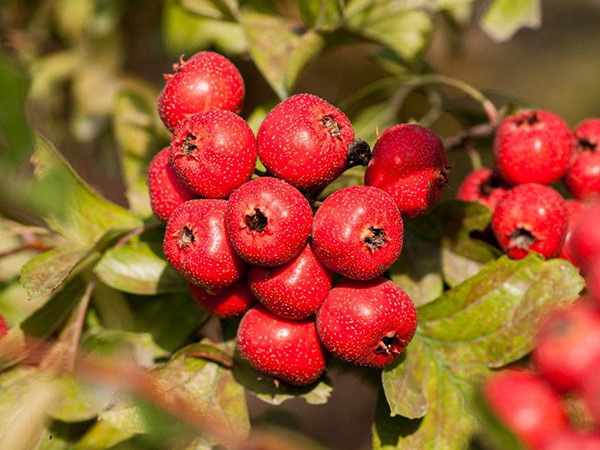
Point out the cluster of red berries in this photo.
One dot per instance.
(533, 149)
(567, 363)
(238, 239)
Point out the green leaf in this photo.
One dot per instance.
(418, 270)
(321, 14)
(449, 226)
(192, 25)
(84, 215)
(505, 17)
(139, 267)
(15, 305)
(45, 273)
(266, 389)
(101, 436)
(372, 120)
(79, 401)
(139, 134)
(280, 47)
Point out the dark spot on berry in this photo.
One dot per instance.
(376, 239)
(257, 221)
(561, 327)
(586, 145)
(188, 147)
(528, 119)
(522, 238)
(186, 238)
(331, 125)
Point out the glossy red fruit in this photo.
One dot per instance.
(575, 211)
(409, 163)
(167, 190)
(527, 405)
(205, 81)
(583, 177)
(532, 147)
(590, 392)
(357, 232)
(574, 440)
(585, 240)
(304, 140)
(592, 281)
(213, 152)
(288, 350)
(294, 290)
(231, 301)
(568, 345)
(483, 186)
(3, 327)
(530, 218)
(269, 221)
(368, 323)
(197, 245)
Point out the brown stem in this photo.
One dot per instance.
(30, 242)
(459, 140)
(135, 232)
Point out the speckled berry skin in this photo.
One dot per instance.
(484, 187)
(575, 212)
(167, 190)
(213, 153)
(232, 301)
(583, 177)
(574, 440)
(205, 81)
(304, 140)
(357, 232)
(368, 323)
(530, 218)
(287, 350)
(197, 245)
(269, 221)
(294, 290)
(585, 240)
(409, 163)
(527, 405)
(568, 345)
(533, 147)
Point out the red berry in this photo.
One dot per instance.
(590, 393)
(409, 163)
(585, 240)
(232, 301)
(288, 350)
(213, 152)
(583, 177)
(269, 221)
(357, 232)
(197, 245)
(592, 281)
(3, 327)
(205, 81)
(294, 290)
(483, 186)
(167, 190)
(533, 147)
(527, 405)
(568, 345)
(304, 140)
(530, 217)
(368, 323)
(575, 211)
(574, 440)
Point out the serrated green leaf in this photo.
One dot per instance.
(280, 47)
(321, 14)
(85, 215)
(419, 270)
(139, 267)
(505, 17)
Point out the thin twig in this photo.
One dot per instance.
(135, 232)
(30, 242)
(478, 131)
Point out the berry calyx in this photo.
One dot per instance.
(167, 190)
(231, 301)
(583, 177)
(294, 290)
(530, 217)
(197, 245)
(368, 323)
(409, 163)
(288, 350)
(213, 153)
(532, 147)
(305, 141)
(483, 186)
(269, 221)
(204, 82)
(357, 232)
